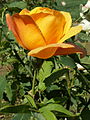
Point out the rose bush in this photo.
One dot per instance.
(43, 31)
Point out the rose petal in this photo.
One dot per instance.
(69, 48)
(68, 21)
(56, 49)
(41, 10)
(50, 22)
(43, 52)
(72, 31)
(11, 26)
(28, 32)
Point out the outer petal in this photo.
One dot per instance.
(50, 22)
(73, 31)
(56, 49)
(11, 26)
(44, 52)
(70, 48)
(28, 32)
(68, 20)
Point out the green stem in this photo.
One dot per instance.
(68, 82)
(33, 83)
(68, 89)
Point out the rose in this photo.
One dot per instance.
(43, 31)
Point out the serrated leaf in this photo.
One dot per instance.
(22, 116)
(31, 100)
(38, 116)
(3, 83)
(56, 107)
(86, 60)
(29, 116)
(45, 70)
(53, 87)
(54, 76)
(49, 115)
(18, 4)
(41, 86)
(67, 61)
(16, 109)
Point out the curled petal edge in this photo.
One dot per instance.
(57, 49)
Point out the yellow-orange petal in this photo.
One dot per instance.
(50, 22)
(41, 10)
(28, 31)
(56, 49)
(72, 31)
(36, 11)
(11, 26)
(43, 52)
(68, 20)
(24, 12)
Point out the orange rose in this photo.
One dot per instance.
(43, 31)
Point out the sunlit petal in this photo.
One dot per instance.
(73, 31)
(50, 22)
(11, 26)
(28, 31)
(56, 49)
(68, 21)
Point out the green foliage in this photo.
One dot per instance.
(9, 91)
(67, 61)
(55, 107)
(2, 85)
(17, 4)
(22, 116)
(61, 89)
(49, 115)
(31, 101)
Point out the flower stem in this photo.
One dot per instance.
(68, 83)
(33, 83)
